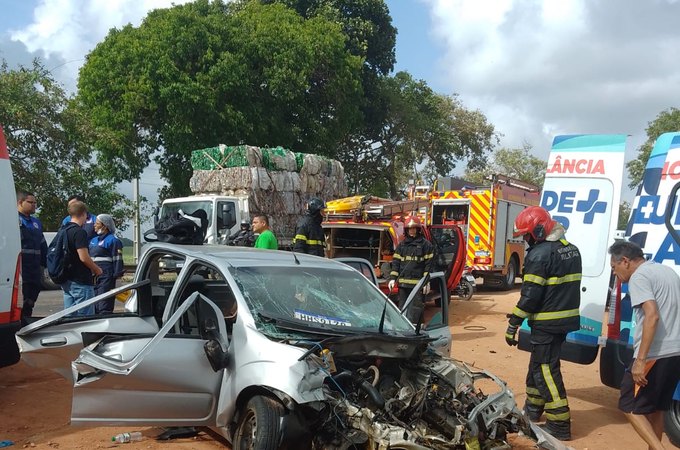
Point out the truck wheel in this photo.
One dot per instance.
(509, 279)
(672, 423)
(258, 426)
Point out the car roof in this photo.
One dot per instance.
(246, 257)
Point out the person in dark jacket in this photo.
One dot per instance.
(411, 261)
(245, 237)
(550, 301)
(33, 252)
(309, 237)
(106, 250)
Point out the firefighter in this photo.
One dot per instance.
(549, 300)
(411, 261)
(309, 237)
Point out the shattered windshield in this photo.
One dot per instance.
(330, 299)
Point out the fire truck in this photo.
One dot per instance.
(486, 215)
(371, 228)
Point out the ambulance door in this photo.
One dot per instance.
(582, 191)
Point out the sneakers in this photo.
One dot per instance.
(560, 435)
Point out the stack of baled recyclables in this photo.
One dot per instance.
(276, 181)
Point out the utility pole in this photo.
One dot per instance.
(137, 235)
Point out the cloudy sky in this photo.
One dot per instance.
(534, 68)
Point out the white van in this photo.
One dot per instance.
(10, 262)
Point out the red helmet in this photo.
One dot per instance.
(412, 222)
(535, 221)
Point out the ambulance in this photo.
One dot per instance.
(654, 224)
(10, 262)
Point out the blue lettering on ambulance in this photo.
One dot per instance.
(564, 203)
(669, 249)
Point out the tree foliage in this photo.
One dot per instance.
(624, 215)
(48, 142)
(423, 135)
(667, 121)
(203, 73)
(517, 163)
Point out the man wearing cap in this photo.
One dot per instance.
(106, 250)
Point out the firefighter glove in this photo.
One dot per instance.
(510, 335)
(426, 289)
(391, 284)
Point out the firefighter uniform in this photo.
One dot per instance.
(411, 261)
(309, 237)
(107, 252)
(550, 300)
(33, 259)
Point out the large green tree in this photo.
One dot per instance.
(517, 163)
(423, 135)
(204, 73)
(667, 121)
(49, 145)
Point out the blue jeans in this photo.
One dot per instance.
(75, 293)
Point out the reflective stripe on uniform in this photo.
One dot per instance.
(557, 403)
(102, 259)
(408, 281)
(558, 417)
(553, 315)
(300, 237)
(314, 242)
(519, 313)
(534, 279)
(552, 387)
(417, 258)
(565, 279)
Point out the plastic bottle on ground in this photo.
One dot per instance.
(127, 437)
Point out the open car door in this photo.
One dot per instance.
(435, 314)
(172, 377)
(55, 341)
(449, 244)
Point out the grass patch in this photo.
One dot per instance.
(128, 256)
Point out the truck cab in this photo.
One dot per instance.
(224, 213)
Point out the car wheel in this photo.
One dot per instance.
(258, 426)
(672, 423)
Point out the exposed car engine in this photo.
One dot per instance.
(417, 399)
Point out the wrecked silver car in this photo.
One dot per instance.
(274, 350)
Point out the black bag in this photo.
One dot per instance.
(175, 229)
(58, 256)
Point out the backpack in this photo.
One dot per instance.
(58, 256)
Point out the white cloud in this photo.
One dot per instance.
(548, 67)
(69, 29)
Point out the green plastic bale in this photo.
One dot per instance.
(299, 160)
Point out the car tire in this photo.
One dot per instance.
(672, 423)
(258, 425)
(46, 282)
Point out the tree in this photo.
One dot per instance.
(667, 121)
(517, 163)
(48, 141)
(423, 134)
(624, 215)
(204, 73)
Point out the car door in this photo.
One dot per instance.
(436, 313)
(170, 378)
(55, 341)
(450, 249)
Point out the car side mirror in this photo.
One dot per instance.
(217, 356)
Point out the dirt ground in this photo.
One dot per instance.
(35, 404)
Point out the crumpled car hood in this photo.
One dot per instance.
(392, 392)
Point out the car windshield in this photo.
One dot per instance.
(342, 301)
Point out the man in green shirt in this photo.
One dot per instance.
(266, 238)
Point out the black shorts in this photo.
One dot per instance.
(657, 395)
